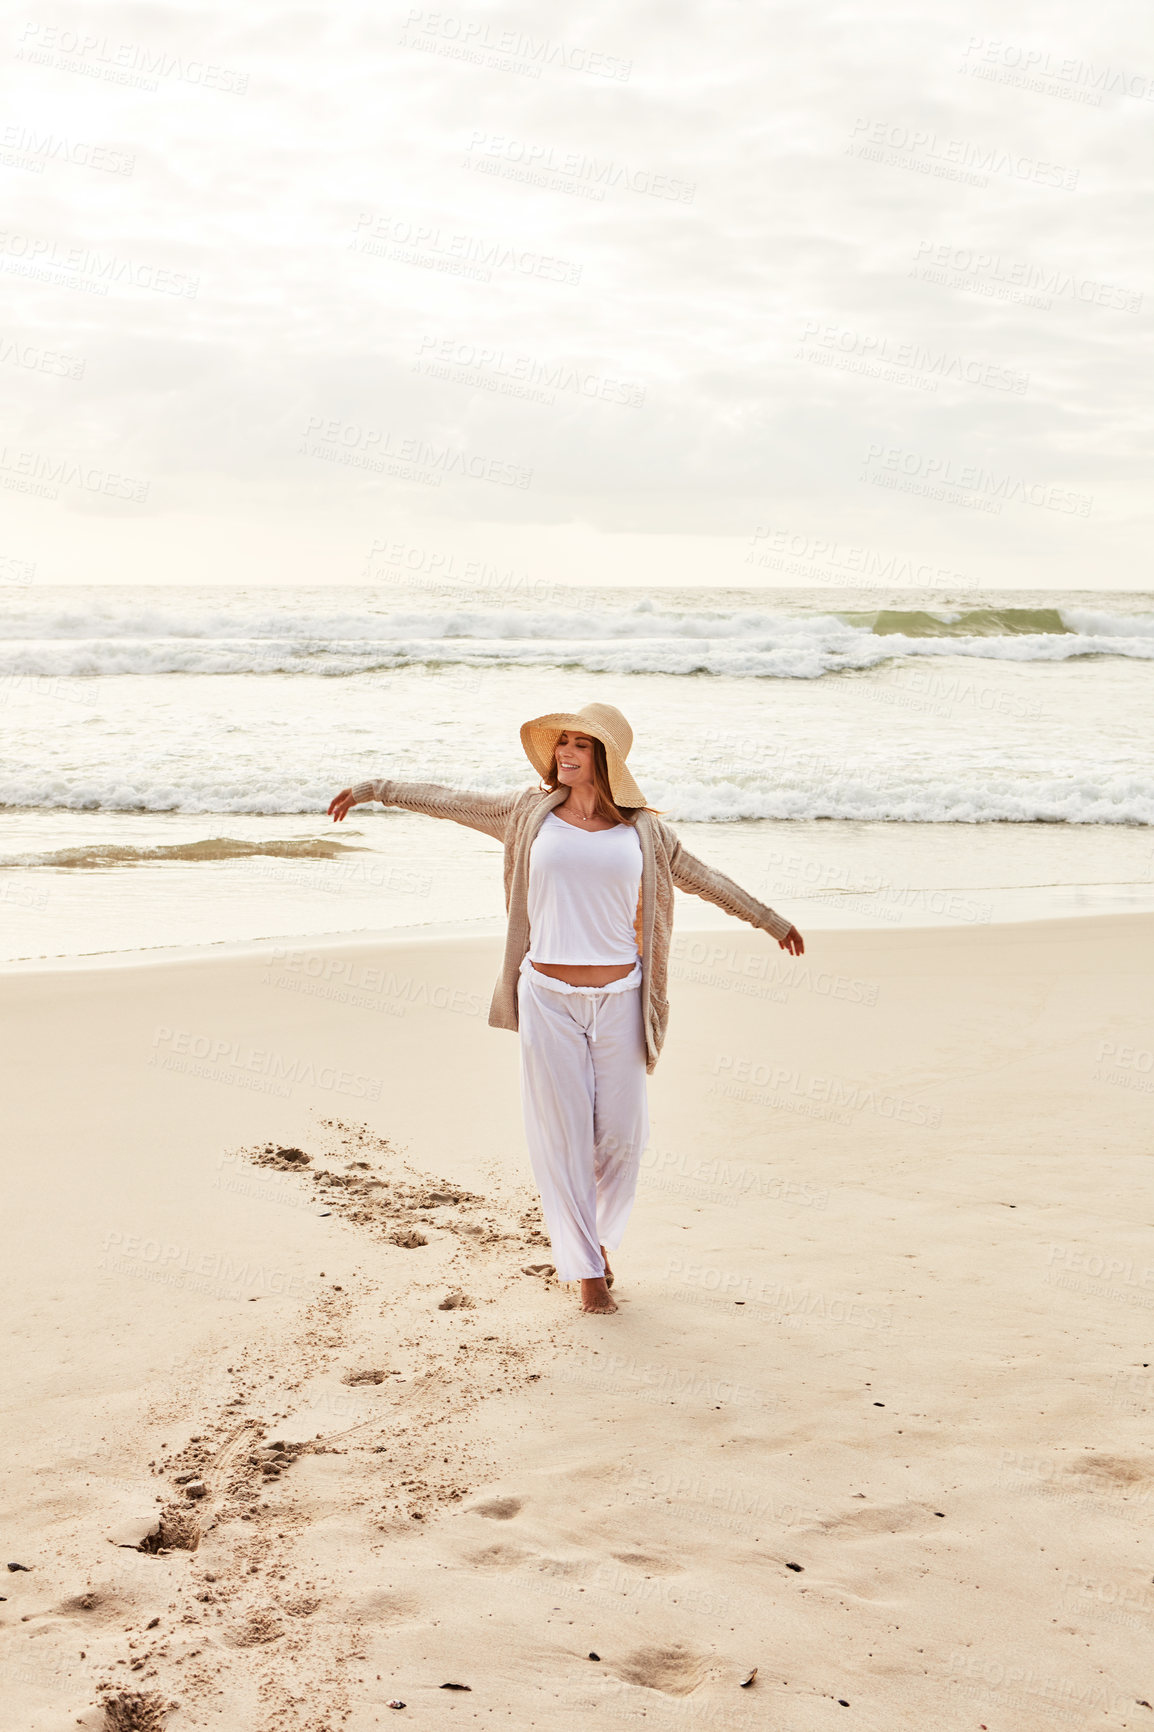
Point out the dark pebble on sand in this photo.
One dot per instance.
(797, 1567)
(879, 1403)
(456, 1686)
(25, 1567)
(842, 1703)
(594, 1656)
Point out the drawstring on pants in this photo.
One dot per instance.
(592, 994)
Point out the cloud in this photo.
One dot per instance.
(684, 264)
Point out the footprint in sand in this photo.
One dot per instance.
(261, 1625)
(498, 1509)
(499, 1557)
(1114, 1469)
(653, 1562)
(178, 1530)
(888, 1519)
(674, 1670)
(134, 1711)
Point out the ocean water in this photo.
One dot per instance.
(854, 758)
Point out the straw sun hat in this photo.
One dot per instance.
(601, 722)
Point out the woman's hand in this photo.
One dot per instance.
(793, 942)
(343, 803)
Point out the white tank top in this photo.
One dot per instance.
(583, 888)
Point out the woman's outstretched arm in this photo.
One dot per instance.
(488, 813)
(694, 876)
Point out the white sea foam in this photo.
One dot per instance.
(1118, 799)
(94, 638)
(851, 715)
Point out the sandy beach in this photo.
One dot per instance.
(299, 1425)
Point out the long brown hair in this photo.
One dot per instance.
(605, 806)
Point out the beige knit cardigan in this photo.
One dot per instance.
(514, 819)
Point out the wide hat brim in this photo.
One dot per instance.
(602, 722)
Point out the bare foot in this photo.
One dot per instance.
(608, 1270)
(595, 1297)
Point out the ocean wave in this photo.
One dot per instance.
(99, 640)
(765, 655)
(976, 622)
(1118, 799)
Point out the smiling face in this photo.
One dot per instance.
(574, 758)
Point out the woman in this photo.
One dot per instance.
(589, 877)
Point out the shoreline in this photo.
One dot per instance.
(493, 926)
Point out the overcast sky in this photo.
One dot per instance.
(721, 293)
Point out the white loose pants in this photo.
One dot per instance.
(585, 1107)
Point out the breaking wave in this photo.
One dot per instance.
(87, 641)
(883, 795)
